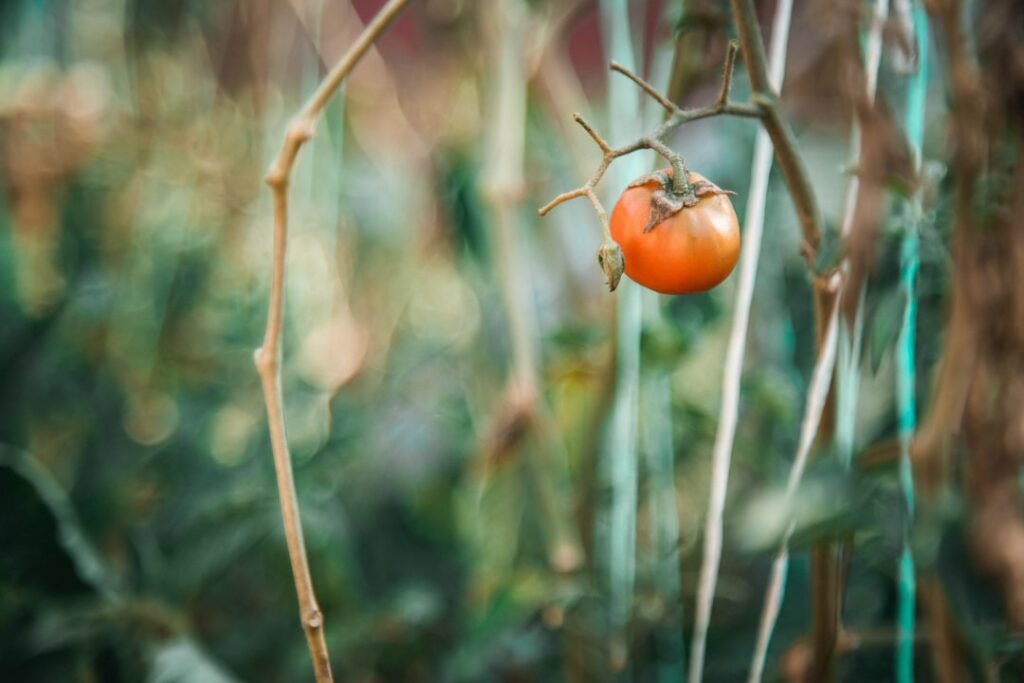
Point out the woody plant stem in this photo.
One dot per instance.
(268, 356)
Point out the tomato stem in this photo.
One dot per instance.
(680, 177)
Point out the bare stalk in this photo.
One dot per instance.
(766, 97)
(503, 184)
(617, 521)
(268, 356)
(968, 364)
(558, 89)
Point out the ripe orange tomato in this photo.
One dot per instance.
(690, 251)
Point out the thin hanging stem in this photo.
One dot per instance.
(268, 356)
(765, 87)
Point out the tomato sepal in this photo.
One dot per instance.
(666, 202)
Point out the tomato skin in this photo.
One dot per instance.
(690, 251)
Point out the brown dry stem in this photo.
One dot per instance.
(793, 170)
(268, 356)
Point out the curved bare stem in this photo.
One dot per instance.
(268, 356)
(765, 95)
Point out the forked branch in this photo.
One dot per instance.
(268, 356)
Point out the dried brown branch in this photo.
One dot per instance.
(793, 169)
(609, 255)
(268, 356)
(650, 89)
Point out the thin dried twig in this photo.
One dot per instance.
(268, 356)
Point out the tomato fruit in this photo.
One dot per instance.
(689, 251)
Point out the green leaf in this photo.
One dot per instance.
(46, 549)
(829, 504)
